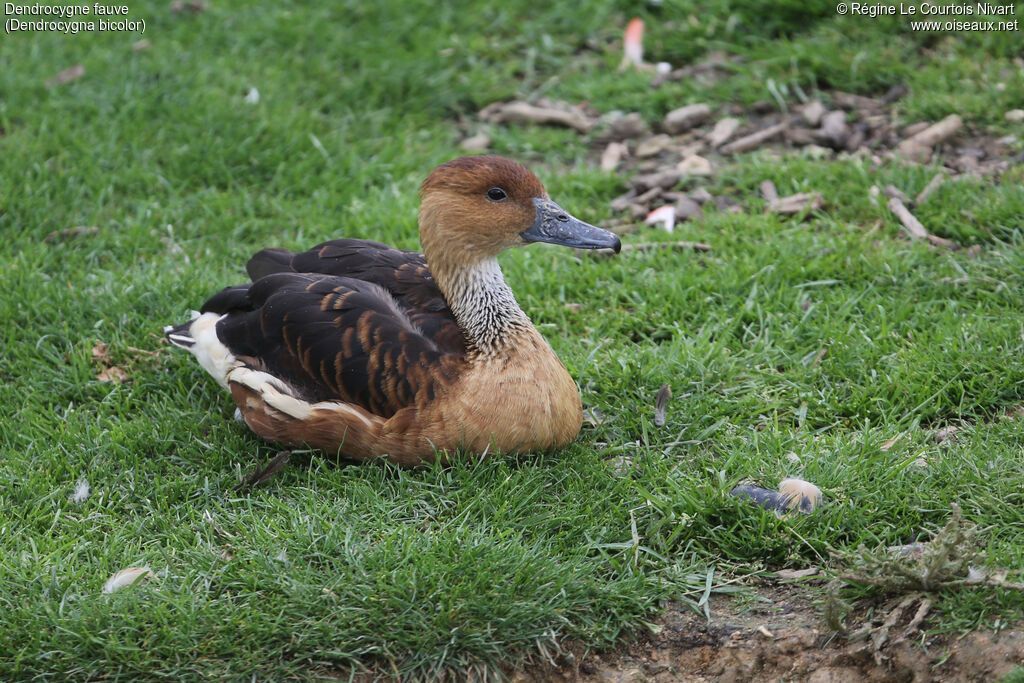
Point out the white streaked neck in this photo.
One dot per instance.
(484, 306)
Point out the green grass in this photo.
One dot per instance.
(465, 568)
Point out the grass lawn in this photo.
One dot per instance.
(471, 566)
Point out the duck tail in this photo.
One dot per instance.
(268, 262)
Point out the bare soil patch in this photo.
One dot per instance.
(777, 633)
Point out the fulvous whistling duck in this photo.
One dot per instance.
(361, 349)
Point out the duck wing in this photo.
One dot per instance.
(333, 338)
(405, 274)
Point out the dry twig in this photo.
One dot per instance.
(919, 146)
(930, 188)
(749, 142)
(524, 112)
(914, 227)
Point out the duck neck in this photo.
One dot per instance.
(483, 305)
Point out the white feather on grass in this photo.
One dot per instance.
(82, 490)
(802, 495)
(125, 577)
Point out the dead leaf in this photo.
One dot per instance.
(71, 233)
(140, 45)
(113, 374)
(99, 352)
(66, 76)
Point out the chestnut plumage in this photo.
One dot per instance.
(362, 349)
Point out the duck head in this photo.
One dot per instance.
(479, 206)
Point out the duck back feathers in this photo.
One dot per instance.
(329, 337)
(405, 275)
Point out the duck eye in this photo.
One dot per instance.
(496, 194)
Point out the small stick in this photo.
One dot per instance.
(796, 203)
(914, 227)
(893, 192)
(915, 623)
(523, 112)
(935, 133)
(881, 636)
(930, 188)
(919, 147)
(753, 140)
